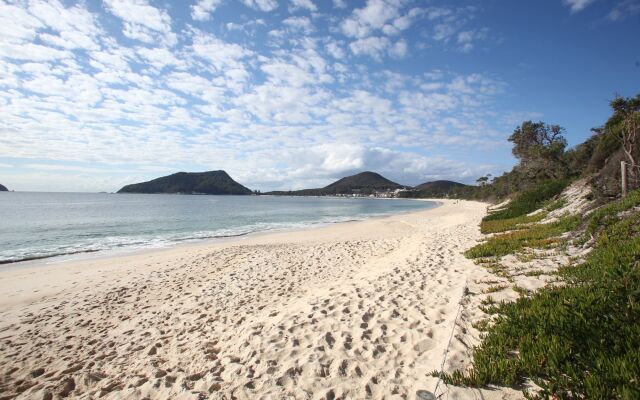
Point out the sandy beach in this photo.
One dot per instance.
(352, 310)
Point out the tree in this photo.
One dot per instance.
(483, 180)
(626, 120)
(540, 149)
(536, 140)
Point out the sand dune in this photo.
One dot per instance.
(354, 310)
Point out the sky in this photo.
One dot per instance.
(290, 94)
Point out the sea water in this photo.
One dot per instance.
(42, 225)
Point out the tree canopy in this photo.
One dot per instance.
(536, 140)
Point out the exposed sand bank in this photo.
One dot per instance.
(352, 310)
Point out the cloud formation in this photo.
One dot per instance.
(130, 90)
(577, 5)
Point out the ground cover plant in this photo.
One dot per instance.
(580, 339)
(536, 236)
(509, 224)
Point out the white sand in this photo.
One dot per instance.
(354, 310)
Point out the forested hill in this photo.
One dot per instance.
(363, 183)
(438, 188)
(211, 182)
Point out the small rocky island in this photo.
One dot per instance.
(3, 188)
(210, 182)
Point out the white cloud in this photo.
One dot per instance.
(74, 92)
(319, 165)
(374, 46)
(139, 12)
(16, 24)
(379, 46)
(335, 50)
(306, 4)
(374, 25)
(399, 49)
(142, 21)
(202, 10)
(32, 52)
(299, 23)
(68, 29)
(159, 57)
(364, 21)
(339, 4)
(467, 39)
(262, 5)
(577, 5)
(225, 60)
(450, 28)
(624, 9)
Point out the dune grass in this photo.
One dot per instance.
(582, 339)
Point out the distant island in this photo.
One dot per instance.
(363, 184)
(210, 182)
(3, 188)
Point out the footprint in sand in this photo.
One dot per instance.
(423, 346)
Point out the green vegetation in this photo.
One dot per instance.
(529, 200)
(580, 340)
(520, 290)
(495, 288)
(605, 216)
(555, 205)
(535, 236)
(541, 151)
(437, 189)
(365, 182)
(482, 325)
(211, 182)
(509, 224)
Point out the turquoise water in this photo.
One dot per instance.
(39, 225)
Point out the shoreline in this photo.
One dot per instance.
(355, 310)
(90, 254)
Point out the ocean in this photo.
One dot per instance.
(42, 225)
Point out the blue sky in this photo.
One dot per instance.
(297, 93)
